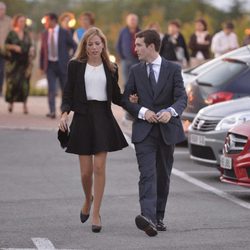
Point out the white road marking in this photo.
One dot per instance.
(202, 184)
(209, 188)
(41, 244)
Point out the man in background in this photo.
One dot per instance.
(225, 40)
(54, 56)
(5, 27)
(126, 45)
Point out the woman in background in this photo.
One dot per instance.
(199, 43)
(19, 54)
(67, 22)
(86, 20)
(173, 47)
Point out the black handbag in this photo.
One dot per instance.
(63, 138)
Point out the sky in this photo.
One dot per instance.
(226, 4)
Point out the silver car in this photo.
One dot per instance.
(207, 133)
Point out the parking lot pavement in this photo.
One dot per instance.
(41, 197)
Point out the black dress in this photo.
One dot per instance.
(93, 128)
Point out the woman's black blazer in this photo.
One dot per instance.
(74, 94)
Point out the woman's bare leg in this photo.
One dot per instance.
(99, 184)
(86, 167)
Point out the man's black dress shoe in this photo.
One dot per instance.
(160, 226)
(145, 225)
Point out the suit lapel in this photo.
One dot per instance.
(109, 81)
(145, 79)
(163, 76)
(82, 68)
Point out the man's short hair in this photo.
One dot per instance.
(52, 16)
(228, 25)
(175, 22)
(150, 37)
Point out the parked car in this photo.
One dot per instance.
(191, 73)
(207, 133)
(235, 162)
(228, 80)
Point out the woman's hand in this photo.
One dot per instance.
(63, 125)
(133, 98)
(17, 48)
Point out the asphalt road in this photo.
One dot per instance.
(41, 197)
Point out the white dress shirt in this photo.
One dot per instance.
(55, 32)
(156, 65)
(95, 83)
(222, 43)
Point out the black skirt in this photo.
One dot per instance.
(96, 131)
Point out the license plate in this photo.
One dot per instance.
(225, 162)
(197, 139)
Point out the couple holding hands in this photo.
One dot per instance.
(154, 95)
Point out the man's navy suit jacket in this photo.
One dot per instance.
(169, 92)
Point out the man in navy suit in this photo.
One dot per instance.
(157, 126)
(54, 56)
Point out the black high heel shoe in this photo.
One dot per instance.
(84, 217)
(96, 228)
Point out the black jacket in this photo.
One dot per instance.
(74, 94)
(168, 47)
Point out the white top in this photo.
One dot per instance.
(95, 83)
(222, 43)
(55, 33)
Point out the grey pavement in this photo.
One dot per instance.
(41, 196)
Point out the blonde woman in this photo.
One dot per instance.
(91, 87)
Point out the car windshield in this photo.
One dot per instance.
(222, 73)
(243, 51)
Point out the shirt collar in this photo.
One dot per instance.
(157, 61)
(55, 29)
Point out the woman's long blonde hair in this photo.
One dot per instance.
(81, 52)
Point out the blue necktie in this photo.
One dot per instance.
(152, 76)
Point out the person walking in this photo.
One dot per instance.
(157, 126)
(86, 20)
(56, 43)
(199, 43)
(91, 87)
(126, 45)
(173, 46)
(19, 51)
(5, 27)
(66, 21)
(225, 40)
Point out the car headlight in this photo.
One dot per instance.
(233, 120)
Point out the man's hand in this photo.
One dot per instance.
(164, 116)
(151, 116)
